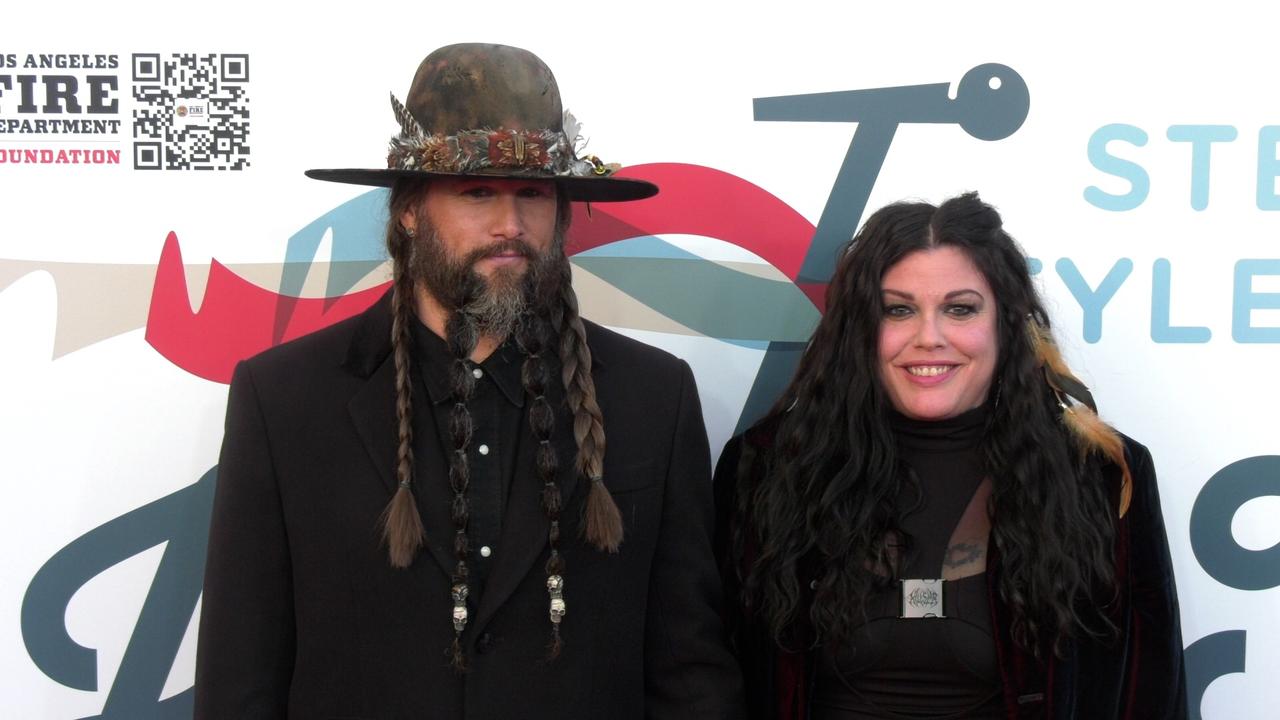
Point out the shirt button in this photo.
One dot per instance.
(484, 449)
(485, 551)
(477, 373)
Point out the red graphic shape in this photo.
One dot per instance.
(239, 319)
(698, 200)
(236, 320)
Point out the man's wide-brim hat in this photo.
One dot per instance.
(491, 111)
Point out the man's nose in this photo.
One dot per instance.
(507, 221)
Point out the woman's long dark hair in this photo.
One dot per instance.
(820, 500)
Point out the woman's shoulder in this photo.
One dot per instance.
(1135, 453)
(757, 438)
(762, 435)
(1138, 462)
(1144, 494)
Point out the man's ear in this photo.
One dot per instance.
(409, 218)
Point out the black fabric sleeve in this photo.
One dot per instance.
(1156, 679)
(689, 672)
(749, 644)
(245, 653)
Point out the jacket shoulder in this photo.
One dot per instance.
(359, 342)
(615, 350)
(1135, 453)
(1140, 464)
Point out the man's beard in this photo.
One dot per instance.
(497, 303)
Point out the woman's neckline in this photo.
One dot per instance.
(960, 432)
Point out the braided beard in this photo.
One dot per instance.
(494, 304)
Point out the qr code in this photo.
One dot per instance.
(191, 112)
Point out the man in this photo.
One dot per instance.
(416, 515)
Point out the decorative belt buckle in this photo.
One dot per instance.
(922, 598)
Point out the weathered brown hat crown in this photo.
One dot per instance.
(491, 110)
(473, 86)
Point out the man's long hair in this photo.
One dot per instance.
(820, 500)
(550, 326)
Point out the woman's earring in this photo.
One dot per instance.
(411, 233)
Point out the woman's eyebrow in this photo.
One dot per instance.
(949, 296)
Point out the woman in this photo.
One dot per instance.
(932, 522)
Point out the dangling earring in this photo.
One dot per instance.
(411, 233)
(999, 384)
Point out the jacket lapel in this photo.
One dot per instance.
(372, 411)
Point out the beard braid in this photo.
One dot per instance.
(495, 304)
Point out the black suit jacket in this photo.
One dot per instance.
(303, 617)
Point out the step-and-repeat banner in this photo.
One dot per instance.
(156, 227)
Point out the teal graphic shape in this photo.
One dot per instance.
(991, 102)
(1208, 659)
(1212, 541)
(644, 246)
(356, 248)
(358, 226)
(709, 298)
(181, 522)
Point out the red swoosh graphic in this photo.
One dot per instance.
(698, 200)
(238, 319)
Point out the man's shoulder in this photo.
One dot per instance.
(332, 346)
(612, 348)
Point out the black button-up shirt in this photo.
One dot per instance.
(497, 411)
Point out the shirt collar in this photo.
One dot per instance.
(433, 357)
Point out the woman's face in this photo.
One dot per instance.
(938, 341)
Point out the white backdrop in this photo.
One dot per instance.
(97, 423)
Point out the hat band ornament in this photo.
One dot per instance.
(536, 153)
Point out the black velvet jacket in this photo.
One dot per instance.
(1137, 675)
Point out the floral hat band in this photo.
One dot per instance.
(535, 152)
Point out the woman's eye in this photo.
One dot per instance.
(477, 192)
(961, 310)
(897, 311)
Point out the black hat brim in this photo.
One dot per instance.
(580, 189)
